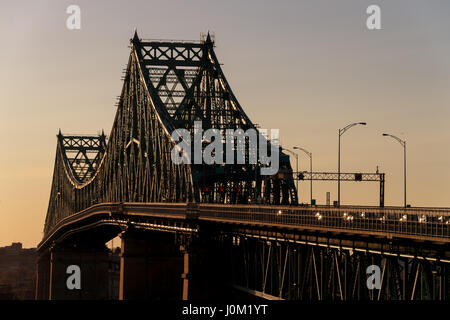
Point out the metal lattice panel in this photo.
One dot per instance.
(333, 176)
(82, 154)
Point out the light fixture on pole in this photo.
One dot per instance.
(403, 143)
(341, 132)
(310, 169)
(296, 159)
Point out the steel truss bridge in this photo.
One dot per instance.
(193, 231)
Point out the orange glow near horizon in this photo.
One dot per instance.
(305, 68)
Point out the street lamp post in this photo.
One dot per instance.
(310, 169)
(296, 160)
(403, 143)
(341, 132)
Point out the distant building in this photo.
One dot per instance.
(6, 292)
(17, 272)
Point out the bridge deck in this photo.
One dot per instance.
(427, 224)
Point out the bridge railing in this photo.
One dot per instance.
(433, 223)
(425, 223)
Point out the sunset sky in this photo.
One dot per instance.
(305, 67)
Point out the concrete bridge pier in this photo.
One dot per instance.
(43, 276)
(161, 266)
(73, 272)
(150, 266)
(206, 269)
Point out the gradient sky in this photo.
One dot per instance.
(305, 67)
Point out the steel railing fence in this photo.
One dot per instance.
(405, 221)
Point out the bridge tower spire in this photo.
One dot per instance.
(135, 38)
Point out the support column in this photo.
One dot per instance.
(93, 263)
(206, 269)
(150, 266)
(185, 275)
(43, 276)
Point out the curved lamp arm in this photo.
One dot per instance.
(342, 131)
(305, 151)
(402, 142)
(290, 151)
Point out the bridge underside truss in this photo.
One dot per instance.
(167, 86)
(293, 271)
